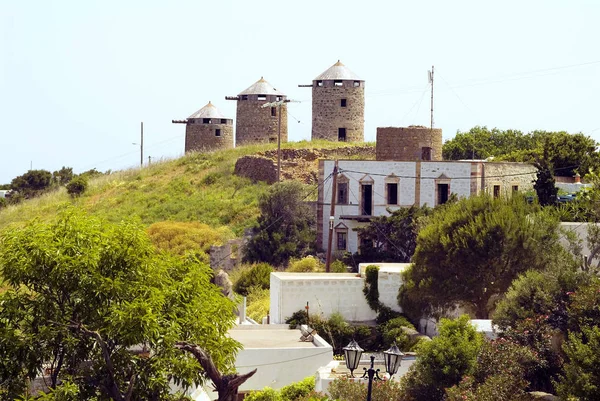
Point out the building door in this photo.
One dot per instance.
(342, 134)
(443, 190)
(366, 200)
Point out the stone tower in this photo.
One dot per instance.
(409, 143)
(255, 123)
(338, 105)
(207, 129)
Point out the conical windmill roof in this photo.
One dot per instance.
(208, 111)
(261, 87)
(338, 71)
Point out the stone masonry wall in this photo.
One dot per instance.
(328, 115)
(255, 124)
(257, 168)
(201, 137)
(508, 175)
(405, 144)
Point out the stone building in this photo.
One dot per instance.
(369, 188)
(255, 123)
(411, 143)
(207, 129)
(338, 105)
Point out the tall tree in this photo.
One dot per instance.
(32, 183)
(285, 226)
(100, 308)
(470, 251)
(391, 238)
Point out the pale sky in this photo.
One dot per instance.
(78, 77)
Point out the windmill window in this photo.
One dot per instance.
(343, 102)
(262, 97)
(273, 112)
(279, 98)
(223, 121)
(338, 83)
(342, 134)
(244, 97)
(356, 84)
(319, 83)
(206, 121)
(218, 132)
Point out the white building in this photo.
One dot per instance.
(368, 188)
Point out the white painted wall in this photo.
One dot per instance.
(279, 367)
(328, 293)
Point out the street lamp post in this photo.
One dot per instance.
(392, 357)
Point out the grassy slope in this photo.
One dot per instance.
(195, 187)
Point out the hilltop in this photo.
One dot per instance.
(198, 187)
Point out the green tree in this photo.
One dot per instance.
(77, 186)
(391, 238)
(443, 361)
(470, 251)
(32, 183)
(285, 226)
(581, 380)
(96, 304)
(63, 176)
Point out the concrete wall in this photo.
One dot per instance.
(328, 115)
(255, 124)
(399, 143)
(328, 293)
(279, 367)
(201, 137)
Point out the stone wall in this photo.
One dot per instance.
(257, 168)
(227, 256)
(201, 137)
(406, 144)
(508, 175)
(255, 124)
(328, 115)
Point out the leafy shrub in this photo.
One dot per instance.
(297, 390)
(308, 264)
(180, 237)
(347, 389)
(210, 178)
(443, 361)
(297, 319)
(259, 275)
(582, 375)
(392, 332)
(266, 394)
(77, 186)
(338, 267)
(258, 303)
(371, 289)
(385, 314)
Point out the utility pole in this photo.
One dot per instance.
(149, 159)
(278, 104)
(142, 145)
(331, 216)
(431, 81)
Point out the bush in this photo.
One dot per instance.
(582, 373)
(385, 314)
(393, 332)
(443, 361)
(346, 390)
(266, 394)
(180, 237)
(297, 390)
(259, 275)
(338, 267)
(258, 303)
(77, 186)
(309, 264)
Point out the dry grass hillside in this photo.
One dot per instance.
(198, 187)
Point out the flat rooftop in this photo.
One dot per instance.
(269, 336)
(315, 276)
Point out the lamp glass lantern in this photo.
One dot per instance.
(393, 359)
(352, 352)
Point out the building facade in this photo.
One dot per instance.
(368, 188)
(338, 105)
(255, 122)
(207, 129)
